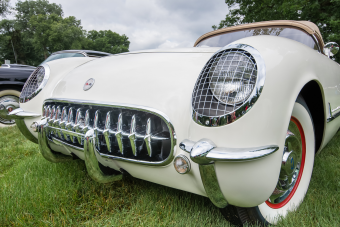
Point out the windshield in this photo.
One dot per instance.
(62, 55)
(290, 33)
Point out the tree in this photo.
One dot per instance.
(106, 41)
(27, 9)
(4, 7)
(324, 13)
(52, 33)
(40, 29)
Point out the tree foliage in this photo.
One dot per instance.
(107, 41)
(324, 13)
(4, 7)
(40, 28)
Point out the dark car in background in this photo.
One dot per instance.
(14, 76)
(12, 80)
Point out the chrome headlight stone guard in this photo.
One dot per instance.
(237, 110)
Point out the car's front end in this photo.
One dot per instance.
(209, 121)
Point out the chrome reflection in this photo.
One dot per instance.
(91, 161)
(207, 171)
(45, 150)
(290, 167)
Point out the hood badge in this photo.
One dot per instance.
(88, 84)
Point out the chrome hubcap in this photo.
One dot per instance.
(9, 99)
(290, 166)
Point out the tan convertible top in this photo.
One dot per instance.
(306, 26)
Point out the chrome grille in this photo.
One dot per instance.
(121, 132)
(226, 68)
(32, 84)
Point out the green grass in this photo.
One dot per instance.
(35, 192)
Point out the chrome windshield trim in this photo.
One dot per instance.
(216, 121)
(317, 42)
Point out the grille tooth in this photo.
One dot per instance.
(70, 123)
(147, 137)
(48, 113)
(45, 111)
(97, 127)
(58, 120)
(119, 133)
(63, 122)
(132, 135)
(107, 132)
(80, 124)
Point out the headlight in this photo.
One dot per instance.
(35, 83)
(234, 78)
(228, 85)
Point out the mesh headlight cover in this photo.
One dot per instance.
(34, 83)
(227, 85)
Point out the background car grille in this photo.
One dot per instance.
(230, 65)
(32, 84)
(120, 131)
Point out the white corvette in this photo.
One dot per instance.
(237, 118)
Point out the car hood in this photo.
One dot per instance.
(153, 78)
(158, 79)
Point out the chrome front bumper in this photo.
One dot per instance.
(205, 153)
(18, 115)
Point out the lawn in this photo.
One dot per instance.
(35, 192)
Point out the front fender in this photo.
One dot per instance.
(289, 66)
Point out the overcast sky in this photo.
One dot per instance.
(148, 23)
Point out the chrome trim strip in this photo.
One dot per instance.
(65, 131)
(125, 106)
(225, 154)
(215, 121)
(66, 145)
(333, 113)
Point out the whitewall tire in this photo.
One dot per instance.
(9, 95)
(295, 175)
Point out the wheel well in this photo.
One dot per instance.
(312, 95)
(11, 87)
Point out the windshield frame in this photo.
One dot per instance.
(316, 41)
